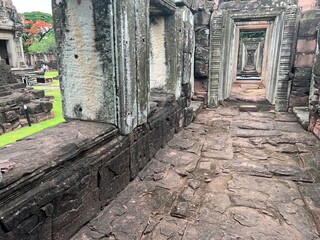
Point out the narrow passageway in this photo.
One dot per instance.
(229, 175)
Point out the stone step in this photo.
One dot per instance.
(302, 114)
(248, 108)
(197, 106)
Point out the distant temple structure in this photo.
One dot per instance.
(11, 27)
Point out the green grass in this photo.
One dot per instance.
(51, 74)
(13, 136)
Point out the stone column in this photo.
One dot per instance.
(12, 54)
(103, 55)
(20, 54)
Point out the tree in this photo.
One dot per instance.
(47, 44)
(46, 17)
(38, 27)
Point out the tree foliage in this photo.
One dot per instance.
(47, 44)
(46, 17)
(38, 34)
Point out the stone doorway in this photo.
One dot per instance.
(225, 30)
(249, 84)
(3, 51)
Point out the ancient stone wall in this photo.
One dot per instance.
(304, 59)
(315, 90)
(57, 180)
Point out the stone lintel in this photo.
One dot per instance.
(162, 7)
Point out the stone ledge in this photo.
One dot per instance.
(29, 159)
(57, 180)
(302, 114)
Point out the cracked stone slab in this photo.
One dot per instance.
(251, 125)
(176, 157)
(180, 143)
(289, 127)
(255, 133)
(266, 169)
(166, 228)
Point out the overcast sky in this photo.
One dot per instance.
(33, 5)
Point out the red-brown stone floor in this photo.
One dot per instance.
(248, 91)
(229, 175)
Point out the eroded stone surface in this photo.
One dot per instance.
(229, 175)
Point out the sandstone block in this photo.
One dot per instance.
(201, 69)
(202, 53)
(202, 37)
(46, 106)
(308, 27)
(304, 60)
(11, 116)
(7, 127)
(202, 18)
(306, 45)
(35, 107)
(38, 93)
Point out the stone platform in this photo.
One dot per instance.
(229, 175)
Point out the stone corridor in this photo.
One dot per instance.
(229, 175)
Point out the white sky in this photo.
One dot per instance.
(33, 5)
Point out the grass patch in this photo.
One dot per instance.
(13, 136)
(51, 74)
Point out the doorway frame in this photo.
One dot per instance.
(223, 30)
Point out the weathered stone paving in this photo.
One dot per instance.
(229, 175)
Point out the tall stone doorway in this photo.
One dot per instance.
(250, 80)
(273, 49)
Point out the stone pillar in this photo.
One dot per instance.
(12, 54)
(103, 54)
(286, 61)
(186, 50)
(20, 53)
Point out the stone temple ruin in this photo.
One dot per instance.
(135, 72)
(13, 94)
(11, 50)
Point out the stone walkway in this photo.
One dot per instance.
(229, 175)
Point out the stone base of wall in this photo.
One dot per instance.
(57, 180)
